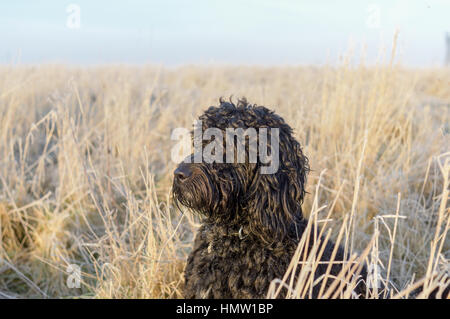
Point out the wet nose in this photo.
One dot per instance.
(183, 171)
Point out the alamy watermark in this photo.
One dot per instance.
(374, 278)
(74, 277)
(235, 146)
(74, 16)
(373, 17)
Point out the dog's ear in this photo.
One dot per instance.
(275, 200)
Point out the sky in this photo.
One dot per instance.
(262, 32)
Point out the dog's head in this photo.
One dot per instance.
(247, 169)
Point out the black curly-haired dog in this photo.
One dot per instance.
(252, 222)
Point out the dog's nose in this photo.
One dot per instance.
(183, 171)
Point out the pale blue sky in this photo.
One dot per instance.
(174, 32)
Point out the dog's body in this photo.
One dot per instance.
(225, 264)
(252, 223)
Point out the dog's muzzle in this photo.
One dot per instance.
(182, 172)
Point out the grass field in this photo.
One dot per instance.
(85, 169)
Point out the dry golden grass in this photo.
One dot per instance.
(85, 170)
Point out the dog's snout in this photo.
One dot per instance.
(183, 171)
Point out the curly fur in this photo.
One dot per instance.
(252, 222)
